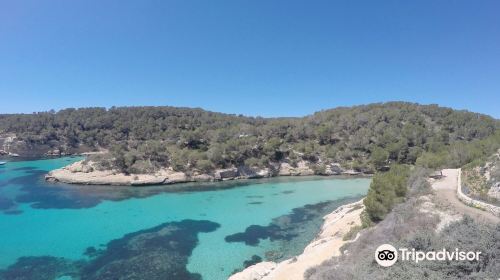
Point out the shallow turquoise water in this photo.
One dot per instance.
(42, 219)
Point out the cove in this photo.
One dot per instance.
(96, 232)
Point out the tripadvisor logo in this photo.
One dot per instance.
(386, 255)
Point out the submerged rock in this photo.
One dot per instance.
(159, 253)
(255, 259)
(40, 268)
(290, 229)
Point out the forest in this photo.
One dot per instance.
(364, 138)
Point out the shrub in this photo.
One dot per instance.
(384, 191)
(351, 234)
(379, 157)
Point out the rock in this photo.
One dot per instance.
(50, 178)
(80, 166)
(86, 172)
(302, 169)
(55, 152)
(436, 175)
(495, 191)
(176, 177)
(203, 178)
(286, 169)
(264, 173)
(225, 174)
(150, 180)
(351, 172)
(274, 255)
(255, 259)
(327, 244)
(253, 173)
(336, 169)
(254, 272)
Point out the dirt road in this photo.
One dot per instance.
(446, 193)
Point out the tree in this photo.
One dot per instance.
(432, 160)
(343, 135)
(379, 157)
(384, 191)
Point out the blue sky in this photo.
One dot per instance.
(269, 58)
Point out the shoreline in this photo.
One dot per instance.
(326, 245)
(84, 173)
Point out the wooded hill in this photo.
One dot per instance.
(143, 139)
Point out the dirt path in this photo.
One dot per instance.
(446, 194)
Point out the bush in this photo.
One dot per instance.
(252, 162)
(407, 227)
(379, 157)
(204, 165)
(319, 169)
(384, 191)
(351, 234)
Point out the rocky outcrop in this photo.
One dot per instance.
(255, 272)
(226, 174)
(86, 172)
(351, 172)
(302, 169)
(336, 169)
(11, 145)
(474, 202)
(483, 178)
(82, 172)
(253, 173)
(494, 191)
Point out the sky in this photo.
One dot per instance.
(259, 57)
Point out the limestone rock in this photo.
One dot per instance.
(203, 178)
(254, 272)
(225, 174)
(336, 169)
(176, 177)
(55, 152)
(252, 173)
(150, 180)
(495, 191)
(302, 169)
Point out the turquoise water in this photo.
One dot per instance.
(61, 221)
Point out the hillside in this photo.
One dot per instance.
(481, 179)
(147, 139)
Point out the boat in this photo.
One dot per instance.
(2, 162)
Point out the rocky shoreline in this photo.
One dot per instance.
(326, 245)
(12, 146)
(85, 172)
